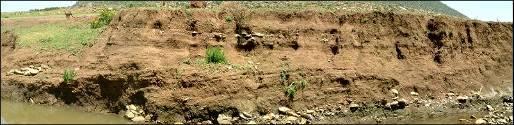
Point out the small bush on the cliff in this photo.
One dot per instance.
(215, 55)
(229, 18)
(68, 76)
(290, 91)
(104, 18)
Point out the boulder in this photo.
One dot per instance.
(489, 108)
(32, 72)
(291, 118)
(268, 116)
(283, 110)
(129, 114)
(309, 111)
(394, 92)
(480, 121)
(260, 35)
(414, 93)
(131, 107)
(462, 99)
(287, 111)
(354, 107)
(307, 116)
(224, 119)
(245, 115)
(402, 103)
(138, 119)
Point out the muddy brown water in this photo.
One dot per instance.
(25, 113)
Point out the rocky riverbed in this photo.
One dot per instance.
(453, 109)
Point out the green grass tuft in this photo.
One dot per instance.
(215, 55)
(68, 76)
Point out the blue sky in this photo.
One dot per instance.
(481, 10)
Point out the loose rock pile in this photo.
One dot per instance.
(398, 103)
(136, 114)
(29, 71)
(496, 115)
(247, 41)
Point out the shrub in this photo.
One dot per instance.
(290, 91)
(104, 18)
(215, 55)
(68, 76)
(229, 18)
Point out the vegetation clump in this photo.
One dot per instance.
(68, 76)
(104, 18)
(215, 55)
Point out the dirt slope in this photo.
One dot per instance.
(150, 58)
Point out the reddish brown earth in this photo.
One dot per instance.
(151, 58)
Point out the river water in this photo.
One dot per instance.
(25, 113)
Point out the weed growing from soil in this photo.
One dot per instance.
(104, 18)
(291, 90)
(68, 76)
(215, 55)
(284, 75)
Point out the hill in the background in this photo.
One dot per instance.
(435, 6)
(429, 6)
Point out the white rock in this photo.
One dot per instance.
(251, 122)
(395, 98)
(450, 94)
(291, 118)
(18, 72)
(129, 115)
(309, 111)
(307, 116)
(32, 71)
(414, 93)
(287, 111)
(268, 116)
(258, 34)
(138, 119)
(283, 109)
(489, 108)
(148, 117)
(480, 121)
(25, 69)
(462, 99)
(224, 119)
(354, 107)
(245, 115)
(403, 102)
(44, 66)
(131, 107)
(395, 92)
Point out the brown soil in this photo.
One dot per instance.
(147, 57)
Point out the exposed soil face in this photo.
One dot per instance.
(148, 58)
